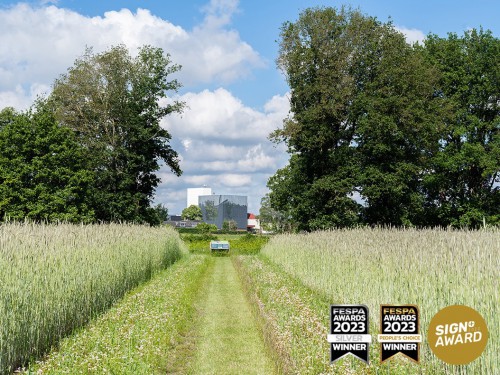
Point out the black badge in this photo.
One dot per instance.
(349, 332)
(399, 326)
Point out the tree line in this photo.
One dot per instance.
(88, 152)
(382, 132)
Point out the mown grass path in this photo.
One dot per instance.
(229, 340)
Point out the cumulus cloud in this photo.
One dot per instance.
(39, 43)
(223, 144)
(412, 35)
(221, 141)
(218, 115)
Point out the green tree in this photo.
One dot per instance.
(161, 212)
(398, 121)
(229, 225)
(363, 119)
(44, 175)
(270, 218)
(192, 212)
(114, 104)
(313, 55)
(464, 187)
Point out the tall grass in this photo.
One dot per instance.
(149, 331)
(430, 268)
(55, 278)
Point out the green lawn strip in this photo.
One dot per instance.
(295, 321)
(249, 244)
(148, 332)
(229, 341)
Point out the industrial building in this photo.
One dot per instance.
(217, 209)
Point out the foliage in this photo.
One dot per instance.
(298, 344)
(56, 278)
(44, 174)
(161, 213)
(205, 228)
(465, 186)
(239, 243)
(198, 242)
(248, 244)
(229, 225)
(192, 212)
(114, 103)
(270, 218)
(198, 237)
(383, 132)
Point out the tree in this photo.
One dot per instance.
(270, 218)
(229, 225)
(44, 175)
(363, 119)
(114, 104)
(192, 212)
(162, 212)
(464, 188)
(313, 51)
(398, 121)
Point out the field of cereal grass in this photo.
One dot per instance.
(430, 268)
(56, 278)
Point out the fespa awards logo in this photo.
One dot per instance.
(349, 332)
(399, 326)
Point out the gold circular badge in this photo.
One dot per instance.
(457, 334)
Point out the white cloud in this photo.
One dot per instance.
(256, 159)
(221, 142)
(39, 43)
(235, 180)
(219, 12)
(15, 98)
(186, 143)
(227, 147)
(412, 35)
(219, 115)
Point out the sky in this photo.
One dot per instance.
(234, 93)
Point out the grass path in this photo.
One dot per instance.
(229, 340)
(146, 333)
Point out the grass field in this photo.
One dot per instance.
(240, 243)
(56, 278)
(269, 313)
(430, 268)
(145, 333)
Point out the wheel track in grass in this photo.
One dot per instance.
(229, 340)
(148, 332)
(193, 318)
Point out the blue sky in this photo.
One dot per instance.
(235, 94)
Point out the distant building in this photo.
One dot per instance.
(194, 193)
(253, 224)
(178, 222)
(217, 209)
